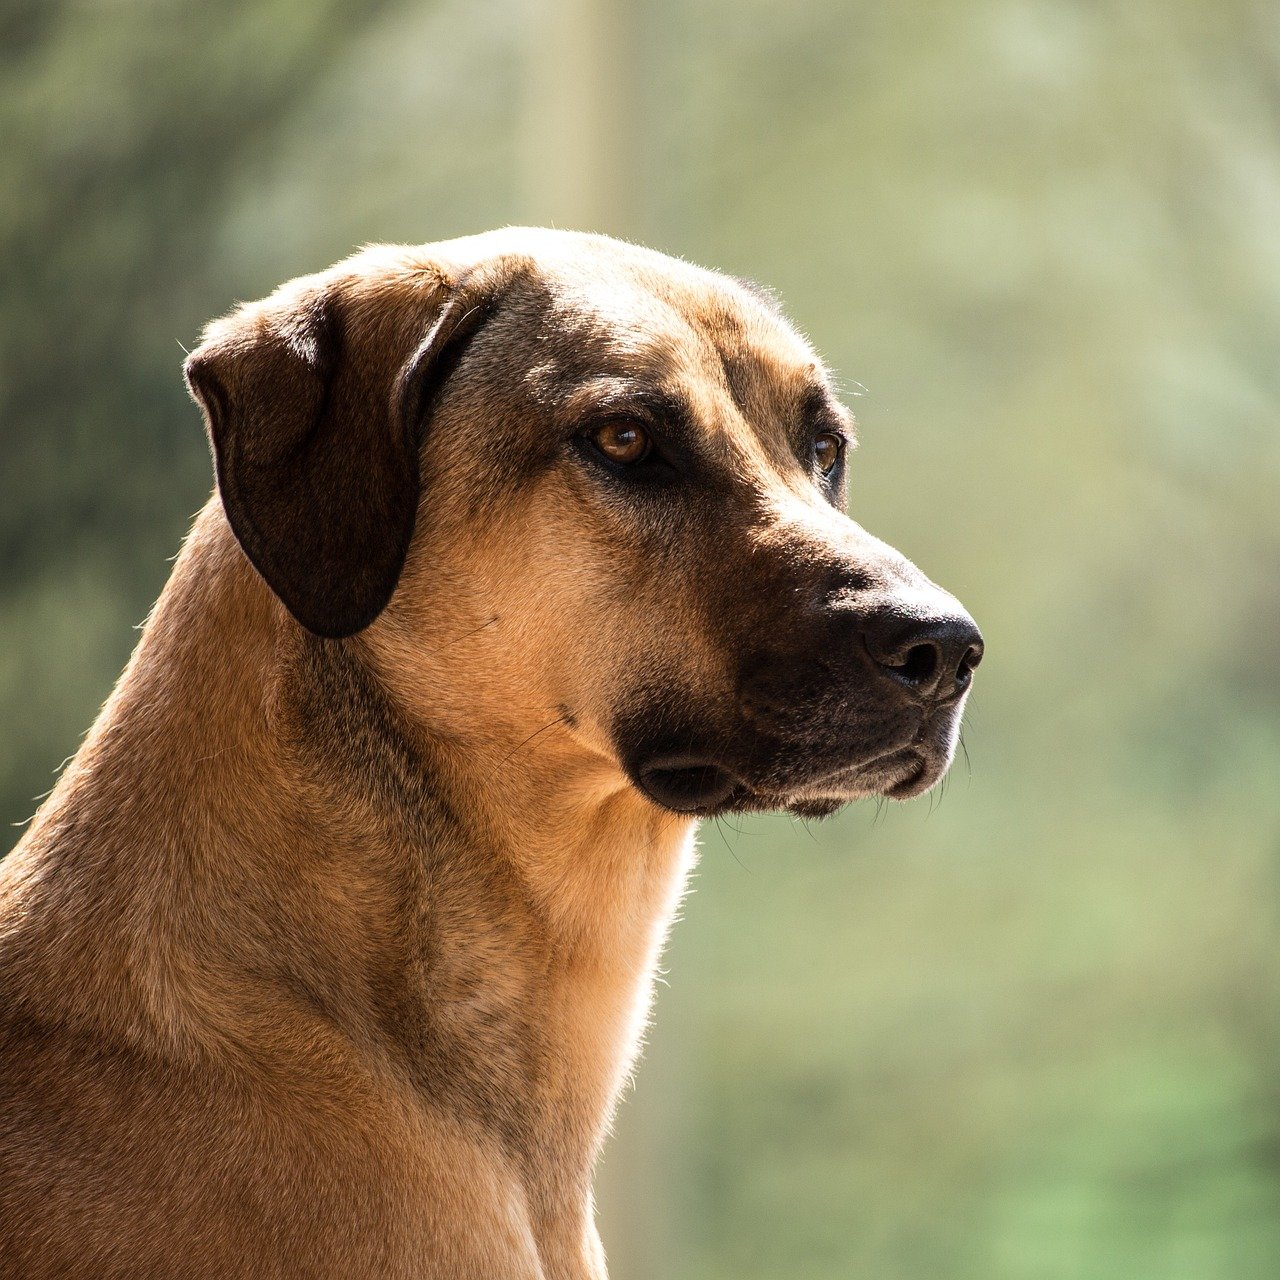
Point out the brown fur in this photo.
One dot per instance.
(329, 956)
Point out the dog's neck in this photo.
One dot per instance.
(552, 885)
(295, 847)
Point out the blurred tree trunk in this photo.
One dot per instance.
(580, 163)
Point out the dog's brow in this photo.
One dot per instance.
(820, 409)
(623, 395)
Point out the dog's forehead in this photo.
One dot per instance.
(683, 329)
(580, 309)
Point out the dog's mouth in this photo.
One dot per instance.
(700, 787)
(810, 770)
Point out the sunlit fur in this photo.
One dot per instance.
(329, 957)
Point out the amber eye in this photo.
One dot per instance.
(826, 451)
(622, 441)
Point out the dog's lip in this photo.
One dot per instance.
(692, 785)
(899, 774)
(918, 780)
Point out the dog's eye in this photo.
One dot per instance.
(622, 441)
(827, 449)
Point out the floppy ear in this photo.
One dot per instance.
(316, 448)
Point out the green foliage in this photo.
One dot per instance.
(1028, 1030)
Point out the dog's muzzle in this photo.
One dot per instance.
(863, 699)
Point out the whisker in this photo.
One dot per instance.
(732, 852)
(466, 635)
(562, 718)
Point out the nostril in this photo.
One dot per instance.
(970, 659)
(932, 657)
(919, 665)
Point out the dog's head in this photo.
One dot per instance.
(576, 487)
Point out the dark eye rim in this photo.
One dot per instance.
(842, 446)
(652, 464)
(594, 432)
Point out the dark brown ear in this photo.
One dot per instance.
(315, 443)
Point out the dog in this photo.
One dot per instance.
(329, 953)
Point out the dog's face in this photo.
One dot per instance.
(580, 488)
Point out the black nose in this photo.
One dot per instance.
(933, 657)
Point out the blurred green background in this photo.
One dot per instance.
(1029, 1029)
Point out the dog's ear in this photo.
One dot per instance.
(315, 433)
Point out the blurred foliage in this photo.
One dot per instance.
(1028, 1029)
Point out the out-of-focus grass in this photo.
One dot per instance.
(908, 1047)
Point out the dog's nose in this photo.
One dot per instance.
(934, 657)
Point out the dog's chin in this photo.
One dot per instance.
(900, 776)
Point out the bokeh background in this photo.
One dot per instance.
(1025, 1030)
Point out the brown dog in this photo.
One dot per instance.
(329, 952)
